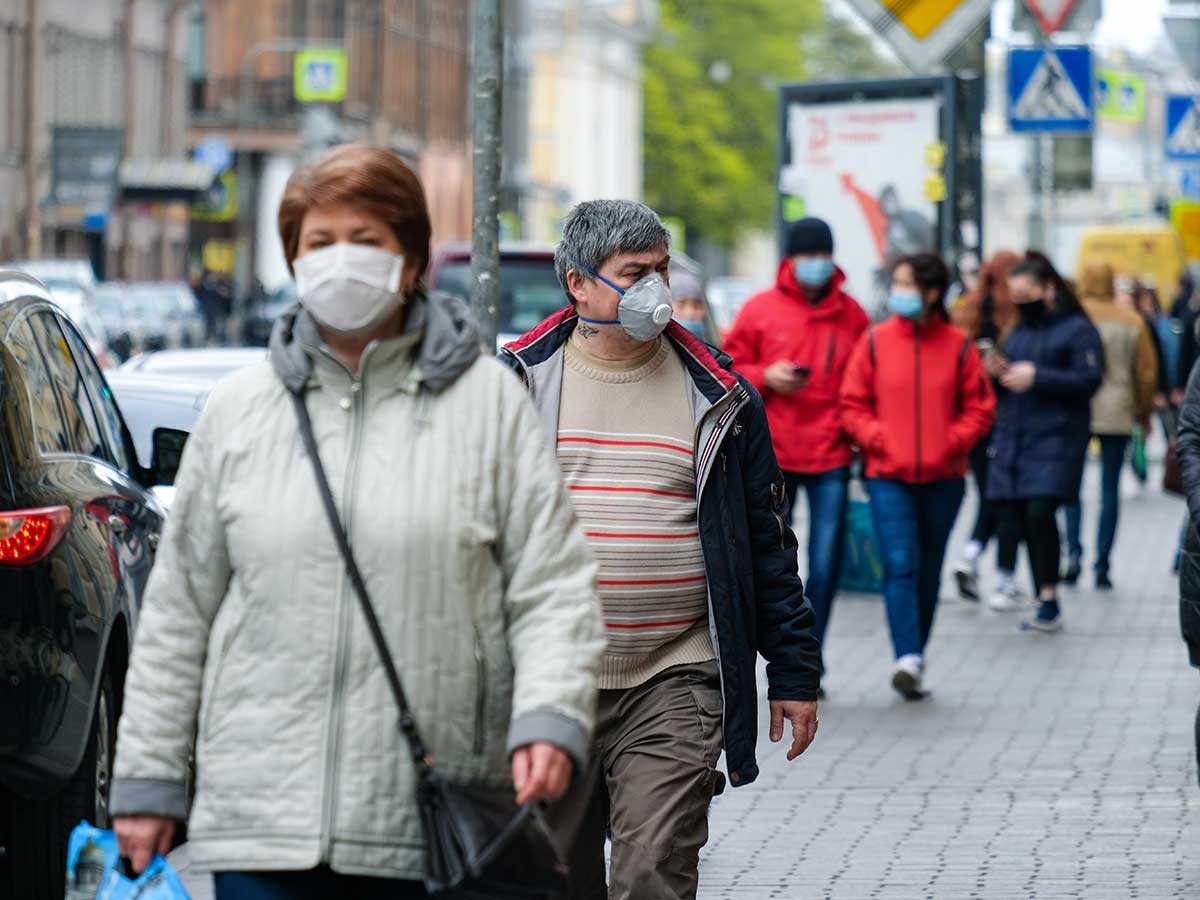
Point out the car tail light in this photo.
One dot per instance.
(27, 535)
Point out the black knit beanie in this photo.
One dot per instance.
(809, 236)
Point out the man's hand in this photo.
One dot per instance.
(140, 837)
(1019, 377)
(802, 715)
(781, 377)
(1177, 397)
(540, 771)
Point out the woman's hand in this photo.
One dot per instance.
(140, 837)
(995, 363)
(540, 772)
(1019, 377)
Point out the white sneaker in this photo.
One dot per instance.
(1006, 599)
(906, 676)
(967, 577)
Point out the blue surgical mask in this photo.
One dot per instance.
(696, 327)
(906, 304)
(813, 271)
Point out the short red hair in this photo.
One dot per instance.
(371, 178)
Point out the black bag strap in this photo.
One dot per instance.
(408, 722)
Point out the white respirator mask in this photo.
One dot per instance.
(349, 288)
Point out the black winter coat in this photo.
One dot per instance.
(1041, 436)
(1189, 563)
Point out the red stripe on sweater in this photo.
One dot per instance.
(563, 440)
(653, 624)
(655, 581)
(656, 537)
(617, 490)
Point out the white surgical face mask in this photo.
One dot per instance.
(349, 288)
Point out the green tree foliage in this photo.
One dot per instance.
(710, 102)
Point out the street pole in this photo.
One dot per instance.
(1037, 206)
(486, 148)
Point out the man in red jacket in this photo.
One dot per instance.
(792, 343)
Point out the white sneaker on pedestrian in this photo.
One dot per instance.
(967, 576)
(907, 675)
(1006, 599)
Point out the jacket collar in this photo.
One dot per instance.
(909, 327)
(827, 307)
(707, 367)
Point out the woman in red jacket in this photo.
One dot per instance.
(916, 399)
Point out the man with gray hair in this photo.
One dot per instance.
(667, 455)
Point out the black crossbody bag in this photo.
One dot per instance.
(479, 844)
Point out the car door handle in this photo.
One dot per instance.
(117, 524)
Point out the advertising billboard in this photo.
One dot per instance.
(888, 165)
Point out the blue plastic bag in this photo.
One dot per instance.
(93, 871)
(862, 563)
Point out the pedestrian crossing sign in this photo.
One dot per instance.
(320, 76)
(1050, 89)
(1183, 128)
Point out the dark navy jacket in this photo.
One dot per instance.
(756, 599)
(1041, 436)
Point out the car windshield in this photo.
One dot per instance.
(529, 291)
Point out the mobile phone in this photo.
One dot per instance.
(985, 346)
(801, 371)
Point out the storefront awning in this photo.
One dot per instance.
(164, 179)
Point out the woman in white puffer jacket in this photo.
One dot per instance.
(251, 640)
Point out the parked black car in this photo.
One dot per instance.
(78, 530)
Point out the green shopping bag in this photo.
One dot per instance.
(1137, 453)
(862, 563)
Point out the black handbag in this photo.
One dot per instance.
(479, 844)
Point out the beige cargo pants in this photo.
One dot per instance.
(652, 778)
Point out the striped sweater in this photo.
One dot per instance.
(626, 447)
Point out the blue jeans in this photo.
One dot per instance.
(827, 494)
(312, 884)
(1112, 459)
(913, 524)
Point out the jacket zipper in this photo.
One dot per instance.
(333, 741)
(480, 691)
(917, 399)
(829, 355)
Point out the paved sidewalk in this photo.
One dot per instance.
(1041, 766)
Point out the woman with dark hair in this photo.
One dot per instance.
(1048, 368)
(986, 315)
(916, 399)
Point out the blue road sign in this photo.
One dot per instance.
(215, 153)
(1050, 89)
(1183, 127)
(1189, 183)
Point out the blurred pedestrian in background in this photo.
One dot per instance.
(688, 303)
(792, 343)
(1165, 336)
(916, 399)
(1048, 368)
(305, 786)
(1125, 400)
(668, 456)
(1189, 568)
(986, 315)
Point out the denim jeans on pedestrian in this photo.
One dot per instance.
(913, 524)
(1112, 460)
(827, 495)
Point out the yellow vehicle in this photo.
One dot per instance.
(1151, 253)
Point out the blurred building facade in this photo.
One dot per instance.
(93, 133)
(407, 89)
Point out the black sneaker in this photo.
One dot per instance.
(968, 581)
(1071, 576)
(1103, 582)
